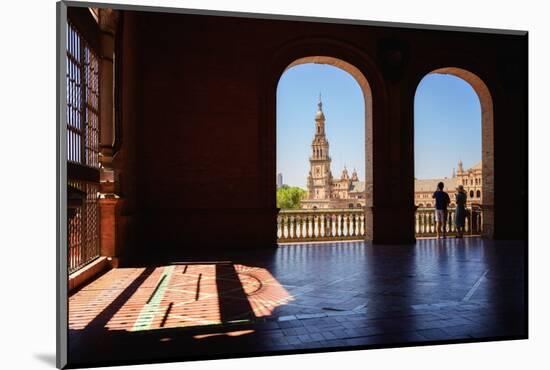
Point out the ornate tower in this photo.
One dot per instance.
(319, 178)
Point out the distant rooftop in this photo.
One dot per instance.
(431, 184)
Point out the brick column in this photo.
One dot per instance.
(108, 237)
(369, 225)
(488, 217)
(108, 180)
(107, 23)
(393, 208)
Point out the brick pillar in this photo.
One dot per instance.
(369, 231)
(488, 217)
(393, 208)
(108, 235)
(394, 225)
(108, 180)
(107, 24)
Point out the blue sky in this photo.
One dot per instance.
(447, 126)
(447, 123)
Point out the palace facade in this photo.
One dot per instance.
(470, 178)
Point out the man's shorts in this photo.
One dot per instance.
(440, 215)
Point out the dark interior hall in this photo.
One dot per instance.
(185, 171)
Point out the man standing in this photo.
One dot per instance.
(442, 201)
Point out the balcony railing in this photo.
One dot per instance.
(425, 222)
(349, 224)
(319, 225)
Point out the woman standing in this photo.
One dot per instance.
(460, 216)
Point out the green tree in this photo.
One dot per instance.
(288, 197)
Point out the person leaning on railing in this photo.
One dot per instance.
(460, 215)
(442, 201)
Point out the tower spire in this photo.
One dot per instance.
(320, 116)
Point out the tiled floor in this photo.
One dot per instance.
(311, 296)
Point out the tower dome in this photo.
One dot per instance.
(345, 175)
(354, 176)
(320, 115)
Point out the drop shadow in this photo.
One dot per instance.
(46, 358)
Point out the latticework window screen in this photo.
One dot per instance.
(83, 228)
(82, 101)
(82, 146)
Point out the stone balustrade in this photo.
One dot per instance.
(425, 222)
(349, 224)
(319, 225)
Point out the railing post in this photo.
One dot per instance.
(468, 222)
(279, 227)
(287, 227)
(298, 223)
(316, 230)
(294, 226)
(349, 222)
(344, 225)
(303, 226)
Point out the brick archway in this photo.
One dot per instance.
(367, 96)
(487, 141)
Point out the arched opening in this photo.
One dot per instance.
(338, 191)
(478, 179)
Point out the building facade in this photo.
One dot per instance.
(470, 178)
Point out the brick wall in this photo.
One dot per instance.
(198, 108)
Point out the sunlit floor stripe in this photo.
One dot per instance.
(474, 288)
(149, 311)
(196, 320)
